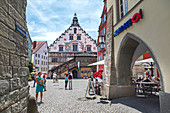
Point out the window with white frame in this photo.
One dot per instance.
(71, 37)
(60, 48)
(78, 37)
(123, 8)
(75, 47)
(88, 48)
(103, 31)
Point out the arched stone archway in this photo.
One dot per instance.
(75, 74)
(131, 48)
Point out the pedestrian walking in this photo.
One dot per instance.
(66, 81)
(39, 87)
(54, 77)
(44, 78)
(34, 76)
(57, 78)
(70, 81)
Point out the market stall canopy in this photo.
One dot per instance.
(97, 63)
(144, 62)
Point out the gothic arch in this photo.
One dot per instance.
(125, 58)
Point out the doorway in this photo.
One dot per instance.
(74, 72)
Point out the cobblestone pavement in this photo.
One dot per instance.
(58, 100)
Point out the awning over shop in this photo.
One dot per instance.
(144, 62)
(97, 63)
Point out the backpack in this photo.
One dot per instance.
(70, 77)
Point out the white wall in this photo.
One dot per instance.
(41, 52)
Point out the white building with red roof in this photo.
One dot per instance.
(40, 56)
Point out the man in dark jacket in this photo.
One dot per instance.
(70, 77)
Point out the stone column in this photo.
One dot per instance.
(110, 78)
(14, 61)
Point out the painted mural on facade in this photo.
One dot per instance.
(72, 42)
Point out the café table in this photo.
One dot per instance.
(147, 86)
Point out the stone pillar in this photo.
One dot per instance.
(164, 102)
(109, 64)
(14, 61)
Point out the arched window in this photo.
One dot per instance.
(75, 30)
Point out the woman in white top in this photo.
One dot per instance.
(54, 77)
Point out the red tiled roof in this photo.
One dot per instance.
(39, 44)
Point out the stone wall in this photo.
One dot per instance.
(14, 87)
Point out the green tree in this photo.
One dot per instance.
(31, 65)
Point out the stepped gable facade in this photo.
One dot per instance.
(72, 42)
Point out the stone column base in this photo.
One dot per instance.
(164, 99)
(115, 91)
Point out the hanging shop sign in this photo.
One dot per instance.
(136, 17)
(21, 32)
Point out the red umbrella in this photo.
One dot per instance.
(95, 74)
(100, 71)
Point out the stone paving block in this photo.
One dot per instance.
(7, 45)
(14, 60)
(4, 58)
(4, 87)
(14, 84)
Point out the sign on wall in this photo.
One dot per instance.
(136, 17)
(21, 31)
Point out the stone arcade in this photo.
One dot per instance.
(150, 34)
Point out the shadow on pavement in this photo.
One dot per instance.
(145, 105)
(102, 102)
(39, 103)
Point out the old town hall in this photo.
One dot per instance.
(72, 52)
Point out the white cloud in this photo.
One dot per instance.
(47, 19)
(50, 36)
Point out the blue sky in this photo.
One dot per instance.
(48, 19)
